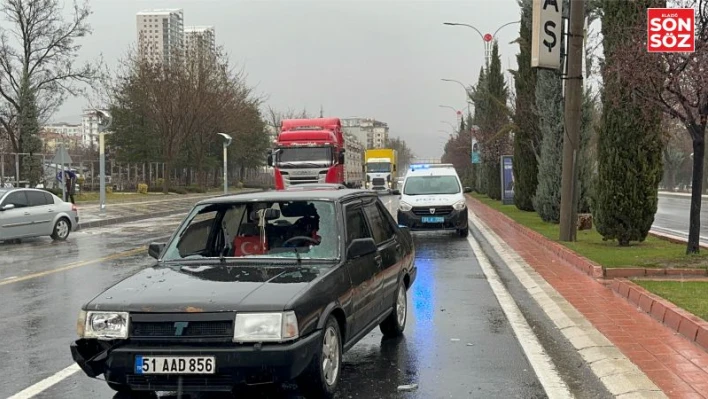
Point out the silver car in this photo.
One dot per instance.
(29, 212)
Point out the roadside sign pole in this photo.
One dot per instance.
(63, 174)
(102, 171)
(104, 122)
(227, 142)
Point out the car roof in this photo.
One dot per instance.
(332, 194)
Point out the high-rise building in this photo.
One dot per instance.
(369, 131)
(200, 39)
(89, 129)
(161, 34)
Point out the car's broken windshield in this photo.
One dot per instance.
(282, 229)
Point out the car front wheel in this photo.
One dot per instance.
(61, 230)
(321, 377)
(395, 323)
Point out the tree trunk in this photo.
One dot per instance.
(166, 177)
(671, 180)
(694, 229)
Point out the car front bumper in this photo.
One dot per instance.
(455, 220)
(236, 364)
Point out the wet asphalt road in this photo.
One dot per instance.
(672, 216)
(458, 342)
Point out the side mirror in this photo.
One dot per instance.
(270, 159)
(361, 247)
(394, 168)
(396, 192)
(468, 190)
(341, 157)
(7, 207)
(155, 249)
(270, 214)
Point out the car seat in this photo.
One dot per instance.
(248, 241)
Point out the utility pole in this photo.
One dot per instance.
(104, 122)
(227, 142)
(573, 109)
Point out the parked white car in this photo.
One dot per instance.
(29, 212)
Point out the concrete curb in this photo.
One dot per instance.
(673, 239)
(680, 195)
(144, 216)
(683, 322)
(127, 219)
(581, 263)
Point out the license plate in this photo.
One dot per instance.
(433, 219)
(175, 365)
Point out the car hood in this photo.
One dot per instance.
(432, 200)
(206, 288)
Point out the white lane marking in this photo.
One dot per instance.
(542, 364)
(46, 383)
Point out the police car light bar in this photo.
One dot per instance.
(429, 166)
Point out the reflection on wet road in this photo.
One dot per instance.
(458, 342)
(672, 216)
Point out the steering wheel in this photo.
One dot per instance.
(300, 238)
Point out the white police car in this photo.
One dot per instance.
(432, 198)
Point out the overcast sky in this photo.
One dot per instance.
(382, 59)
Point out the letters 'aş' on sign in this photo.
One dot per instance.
(545, 34)
(671, 30)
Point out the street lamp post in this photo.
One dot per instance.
(487, 38)
(469, 94)
(104, 122)
(454, 129)
(457, 112)
(227, 142)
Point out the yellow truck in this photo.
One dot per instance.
(380, 165)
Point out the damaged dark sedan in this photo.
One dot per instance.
(253, 288)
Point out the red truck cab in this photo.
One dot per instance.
(308, 151)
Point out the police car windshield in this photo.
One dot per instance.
(428, 185)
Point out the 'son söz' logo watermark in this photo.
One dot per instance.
(671, 30)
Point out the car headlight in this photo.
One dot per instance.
(103, 325)
(265, 327)
(404, 206)
(459, 205)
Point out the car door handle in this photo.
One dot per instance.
(50, 211)
(27, 213)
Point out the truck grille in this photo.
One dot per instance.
(378, 181)
(293, 180)
(425, 210)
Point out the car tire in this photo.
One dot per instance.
(61, 231)
(463, 232)
(317, 380)
(122, 388)
(395, 323)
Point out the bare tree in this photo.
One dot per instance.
(38, 46)
(678, 86)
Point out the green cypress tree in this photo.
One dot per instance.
(498, 140)
(629, 139)
(586, 163)
(549, 102)
(479, 98)
(526, 137)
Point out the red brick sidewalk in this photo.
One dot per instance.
(677, 366)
